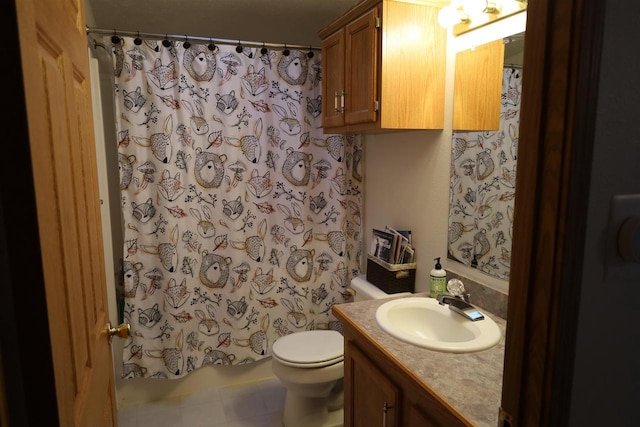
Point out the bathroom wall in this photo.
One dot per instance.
(406, 187)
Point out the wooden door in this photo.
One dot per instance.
(414, 416)
(374, 399)
(559, 105)
(54, 56)
(361, 73)
(333, 80)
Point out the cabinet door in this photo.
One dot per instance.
(414, 416)
(478, 88)
(371, 399)
(333, 80)
(361, 68)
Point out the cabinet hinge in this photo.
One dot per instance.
(376, 105)
(505, 419)
(378, 24)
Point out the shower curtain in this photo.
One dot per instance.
(482, 188)
(242, 219)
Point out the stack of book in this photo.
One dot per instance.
(392, 246)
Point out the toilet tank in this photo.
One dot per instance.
(365, 290)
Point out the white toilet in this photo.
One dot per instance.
(310, 365)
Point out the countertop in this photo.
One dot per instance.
(469, 382)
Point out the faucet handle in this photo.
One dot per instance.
(455, 287)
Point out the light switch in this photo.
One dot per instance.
(629, 239)
(622, 254)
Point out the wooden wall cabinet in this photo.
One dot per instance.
(380, 393)
(477, 92)
(383, 68)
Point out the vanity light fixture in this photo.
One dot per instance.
(464, 11)
(476, 7)
(451, 15)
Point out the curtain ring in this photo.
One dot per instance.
(114, 38)
(186, 43)
(286, 51)
(310, 53)
(137, 41)
(264, 49)
(166, 42)
(211, 45)
(239, 47)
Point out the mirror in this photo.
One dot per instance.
(483, 162)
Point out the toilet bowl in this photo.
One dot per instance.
(310, 365)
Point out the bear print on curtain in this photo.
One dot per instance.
(241, 218)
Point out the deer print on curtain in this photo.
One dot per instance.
(242, 219)
(482, 192)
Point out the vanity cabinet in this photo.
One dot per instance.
(374, 399)
(379, 392)
(477, 94)
(383, 68)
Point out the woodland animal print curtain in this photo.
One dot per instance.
(482, 192)
(242, 219)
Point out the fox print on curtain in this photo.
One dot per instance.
(482, 188)
(242, 219)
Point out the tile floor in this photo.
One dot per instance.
(254, 405)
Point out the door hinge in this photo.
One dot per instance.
(378, 24)
(505, 419)
(376, 105)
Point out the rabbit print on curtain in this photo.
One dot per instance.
(242, 219)
(483, 181)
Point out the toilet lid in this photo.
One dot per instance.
(310, 348)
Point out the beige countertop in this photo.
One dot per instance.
(469, 382)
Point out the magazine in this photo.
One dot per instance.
(382, 245)
(391, 245)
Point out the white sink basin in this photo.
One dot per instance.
(423, 322)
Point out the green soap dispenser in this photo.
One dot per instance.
(437, 280)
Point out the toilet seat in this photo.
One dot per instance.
(309, 349)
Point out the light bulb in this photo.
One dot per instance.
(474, 7)
(447, 16)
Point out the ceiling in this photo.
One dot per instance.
(293, 22)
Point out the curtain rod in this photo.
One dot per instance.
(185, 37)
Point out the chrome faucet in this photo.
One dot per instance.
(460, 306)
(458, 301)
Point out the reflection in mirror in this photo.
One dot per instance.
(483, 177)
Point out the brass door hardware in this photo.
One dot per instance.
(123, 330)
